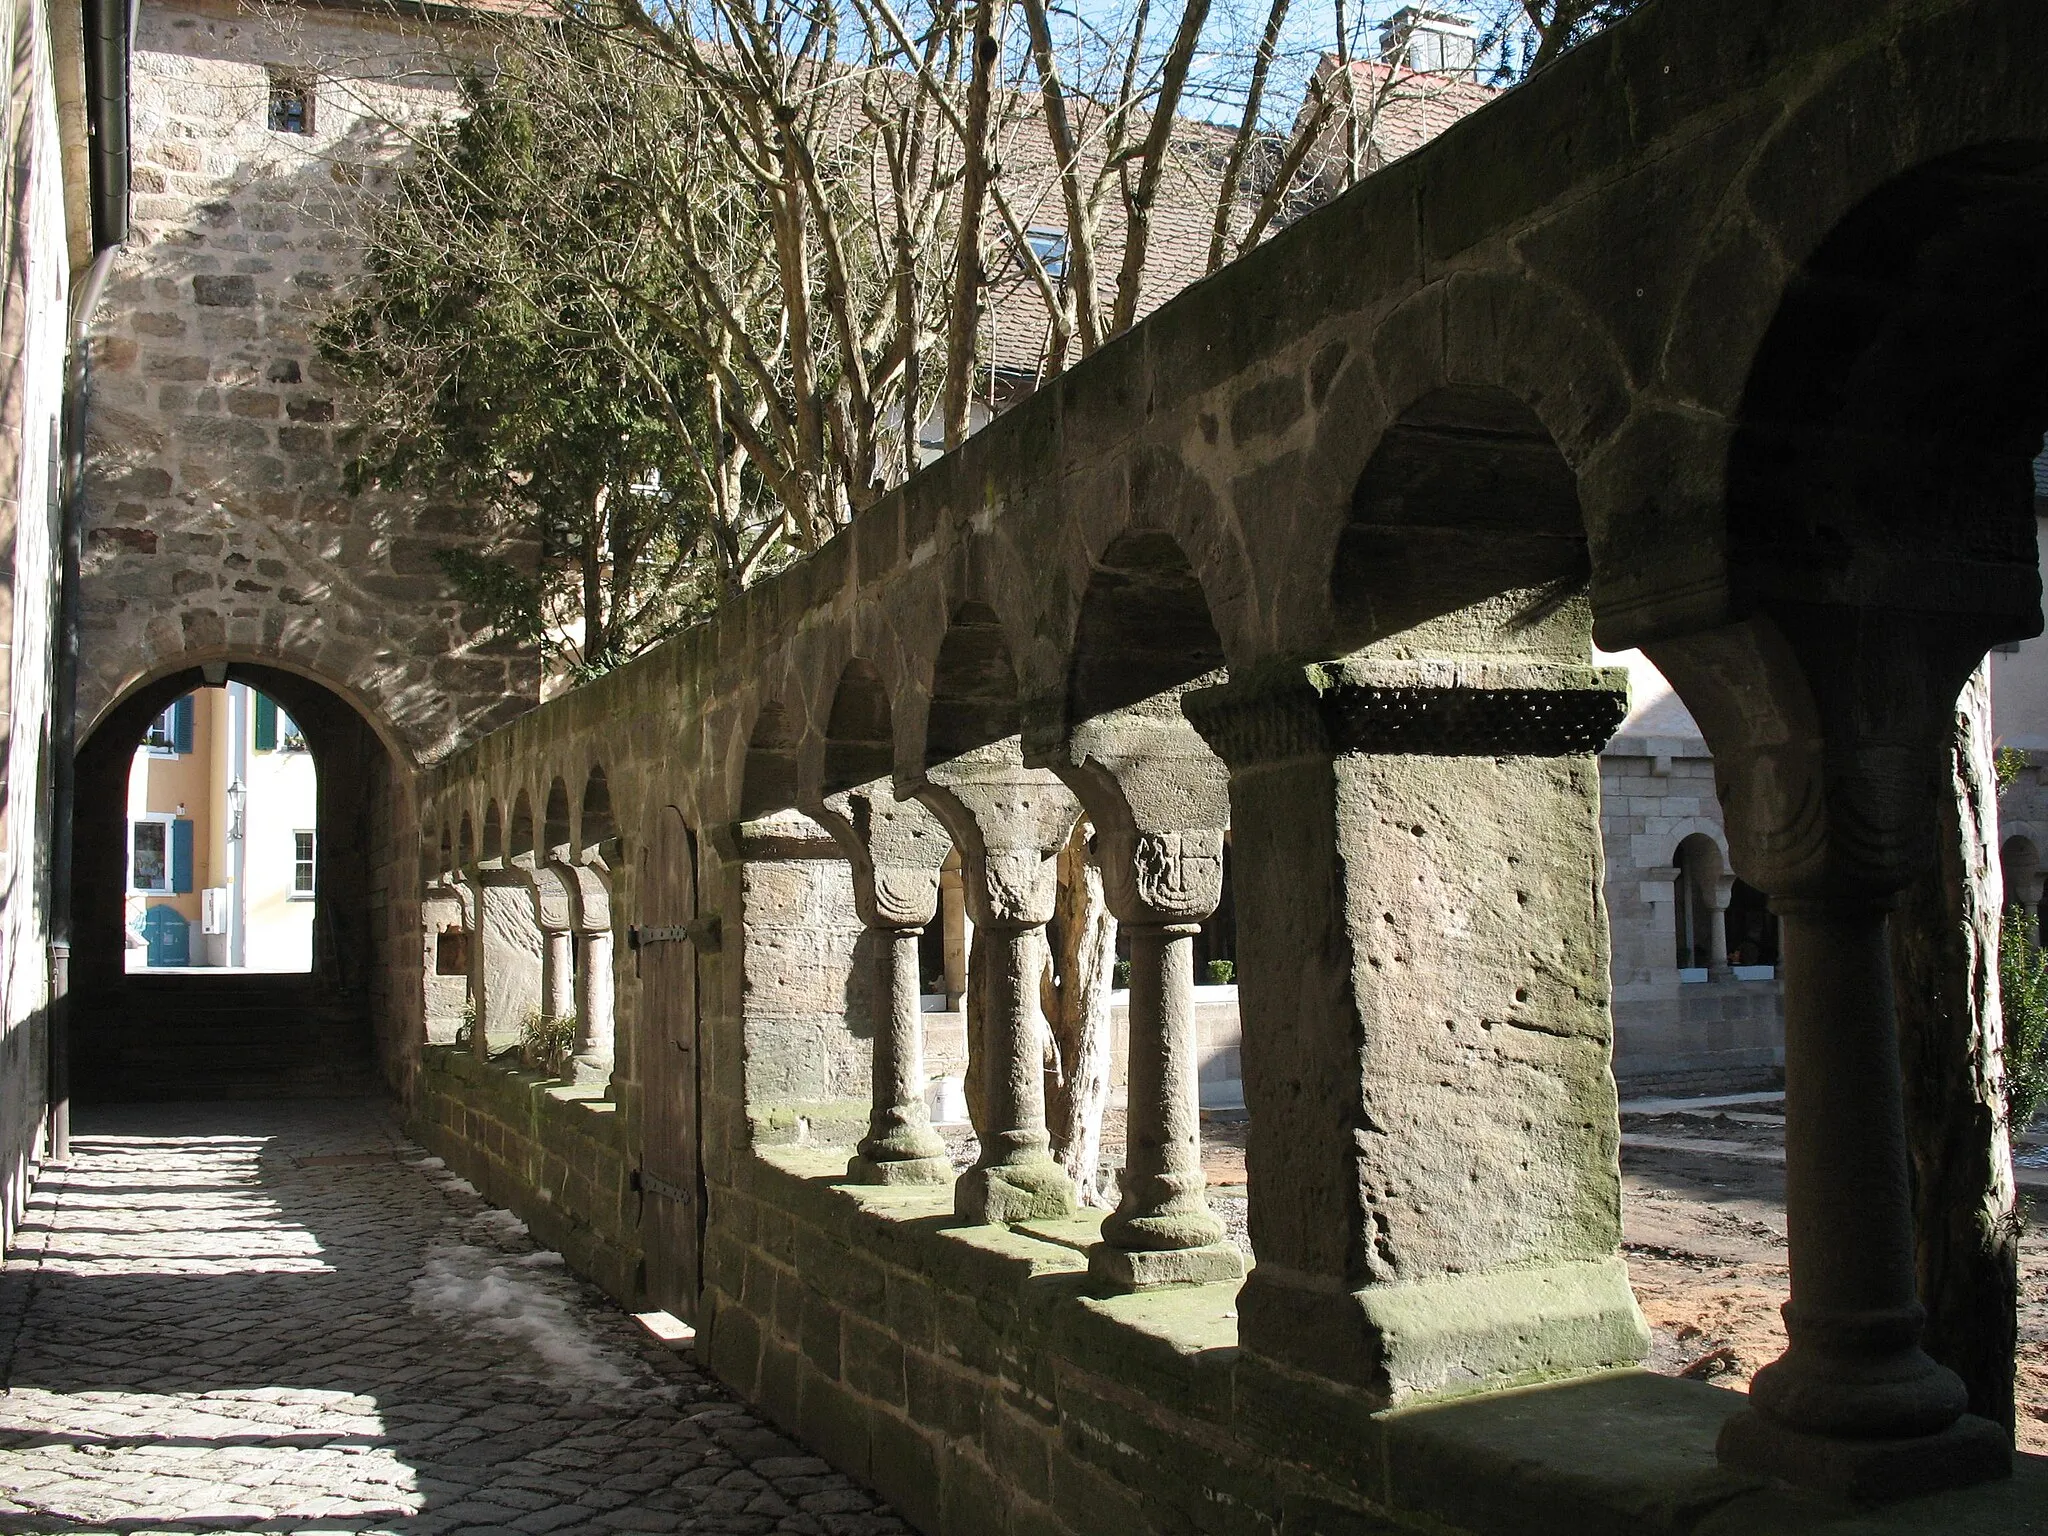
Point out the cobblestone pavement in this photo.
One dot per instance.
(284, 1317)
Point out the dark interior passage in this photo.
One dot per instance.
(173, 1033)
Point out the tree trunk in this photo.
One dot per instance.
(1077, 1096)
(1944, 942)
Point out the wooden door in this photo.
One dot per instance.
(671, 1178)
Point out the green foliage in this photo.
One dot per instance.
(2023, 998)
(502, 383)
(1120, 976)
(546, 1042)
(1221, 973)
(465, 1031)
(2006, 764)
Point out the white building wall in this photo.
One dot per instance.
(283, 793)
(45, 127)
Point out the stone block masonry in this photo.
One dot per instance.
(554, 1155)
(218, 523)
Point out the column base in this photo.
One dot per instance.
(590, 1071)
(1461, 1333)
(907, 1170)
(1013, 1192)
(1127, 1269)
(1971, 1450)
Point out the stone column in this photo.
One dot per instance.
(1009, 823)
(895, 848)
(554, 915)
(1160, 803)
(1435, 1187)
(1718, 896)
(1830, 738)
(590, 925)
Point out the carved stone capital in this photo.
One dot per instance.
(1829, 732)
(896, 848)
(1157, 878)
(1009, 823)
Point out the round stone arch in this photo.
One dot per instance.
(1505, 377)
(367, 839)
(1143, 626)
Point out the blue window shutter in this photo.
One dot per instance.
(181, 724)
(266, 723)
(181, 855)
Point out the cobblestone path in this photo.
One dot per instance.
(285, 1317)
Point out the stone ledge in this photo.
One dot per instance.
(1148, 1401)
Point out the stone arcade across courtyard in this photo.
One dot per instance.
(1722, 338)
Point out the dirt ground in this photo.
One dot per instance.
(1703, 1227)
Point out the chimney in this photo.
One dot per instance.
(1431, 42)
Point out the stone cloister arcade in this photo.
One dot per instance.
(1722, 338)
(1699, 357)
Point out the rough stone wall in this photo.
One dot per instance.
(218, 525)
(558, 1157)
(45, 245)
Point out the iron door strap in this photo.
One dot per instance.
(654, 1184)
(703, 932)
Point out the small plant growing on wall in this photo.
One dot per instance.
(547, 1042)
(465, 1031)
(1121, 976)
(1221, 972)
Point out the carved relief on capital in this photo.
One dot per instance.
(1009, 830)
(1161, 877)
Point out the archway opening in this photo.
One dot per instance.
(222, 838)
(249, 807)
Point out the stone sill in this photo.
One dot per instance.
(460, 1061)
(1622, 1452)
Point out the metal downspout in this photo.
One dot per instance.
(109, 29)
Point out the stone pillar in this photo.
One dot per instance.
(554, 915)
(1829, 733)
(1434, 1170)
(1009, 823)
(896, 848)
(1160, 804)
(1663, 890)
(590, 926)
(1718, 896)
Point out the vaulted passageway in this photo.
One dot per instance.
(236, 1012)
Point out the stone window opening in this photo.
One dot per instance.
(1700, 911)
(291, 103)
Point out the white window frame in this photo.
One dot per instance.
(164, 819)
(309, 891)
(169, 747)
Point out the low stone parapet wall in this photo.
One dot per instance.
(968, 1374)
(552, 1153)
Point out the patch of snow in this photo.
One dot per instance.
(524, 1297)
(499, 1221)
